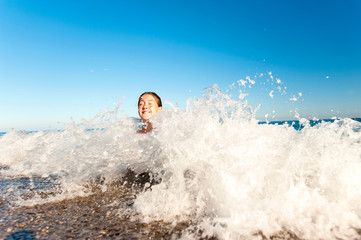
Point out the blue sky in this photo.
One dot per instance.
(63, 60)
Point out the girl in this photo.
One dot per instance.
(149, 103)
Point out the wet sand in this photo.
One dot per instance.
(88, 218)
(93, 217)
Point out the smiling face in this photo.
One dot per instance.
(147, 107)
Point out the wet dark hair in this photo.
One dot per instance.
(157, 98)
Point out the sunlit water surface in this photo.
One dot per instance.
(210, 170)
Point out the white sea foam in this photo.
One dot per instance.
(220, 169)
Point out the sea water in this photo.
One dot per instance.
(211, 165)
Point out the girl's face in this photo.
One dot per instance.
(147, 107)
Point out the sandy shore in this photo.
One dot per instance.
(92, 217)
(96, 216)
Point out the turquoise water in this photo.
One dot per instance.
(294, 123)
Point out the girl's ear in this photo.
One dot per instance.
(160, 108)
